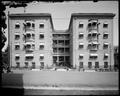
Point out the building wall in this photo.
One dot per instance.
(76, 51)
(48, 32)
(47, 51)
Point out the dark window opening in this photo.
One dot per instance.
(81, 36)
(55, 50)
(41, 36)
(105, 46)
(80, 57)
(67, 50)
(29, 57)
(17, 37)
(80, 25)
(80, 46)
(17, 64)
(61, 58)
(17, 26)
(17, 47)
(33, 65)
(105, 64)
(41, 57)
(96, 64)
(26, 64)
(67, 42)
(41, 47)
(89, 65)
(17, 57)
(81, 64)
(105, 25)
(41, 26)
(105, 36)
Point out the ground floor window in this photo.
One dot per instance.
(81, 64)
(105, 64)
(26, 64)
(89, 65)
(96, 64)
(33, 65)
(17, 64)
(41, 64)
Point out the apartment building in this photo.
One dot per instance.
(88, 42)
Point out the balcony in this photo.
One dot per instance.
(60, 36)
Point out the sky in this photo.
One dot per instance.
(61, 13)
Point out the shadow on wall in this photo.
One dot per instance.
(12, 84)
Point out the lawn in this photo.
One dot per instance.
(61, 79)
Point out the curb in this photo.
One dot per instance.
(62, 88)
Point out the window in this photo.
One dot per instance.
(41, 57)
(105, 36)
(61, 58)
(80, 45)
(105, 56)
(41, 26)
(105, 46)
(28, 35)
(29, 57)
(67, 58)
(81, 64)
(105, 25)
(67, 42)
(41, 64)
(17, 25)
(81, 56)
(61, 50)
(93, 56)
(80, 25)
(26, 64)
(55, 50)
(33, 36)
(81, 36)
(17, 64)
(105, 64)
(67, 50)
(33, 46)
(33, 25)
(96, 64)
(17, 57)
(33, 65)
(89, 65)
(17, 47)
(41, 47)
(17, 37)
(41, 36)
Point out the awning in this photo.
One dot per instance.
(29, 55)
(41, 54)
(28, 43)
(41, 43)
(17, 43)
(81, 33)
(81, 43)
(106, 33)
(94, 31)
(17, 54)
(106, 54)
(106, 43)
(17, 23)
(80, 22)
(93, 54)
(81, 54)
(105, 23)
(95, 42)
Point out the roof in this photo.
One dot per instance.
(93, 14)
(30, 14)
